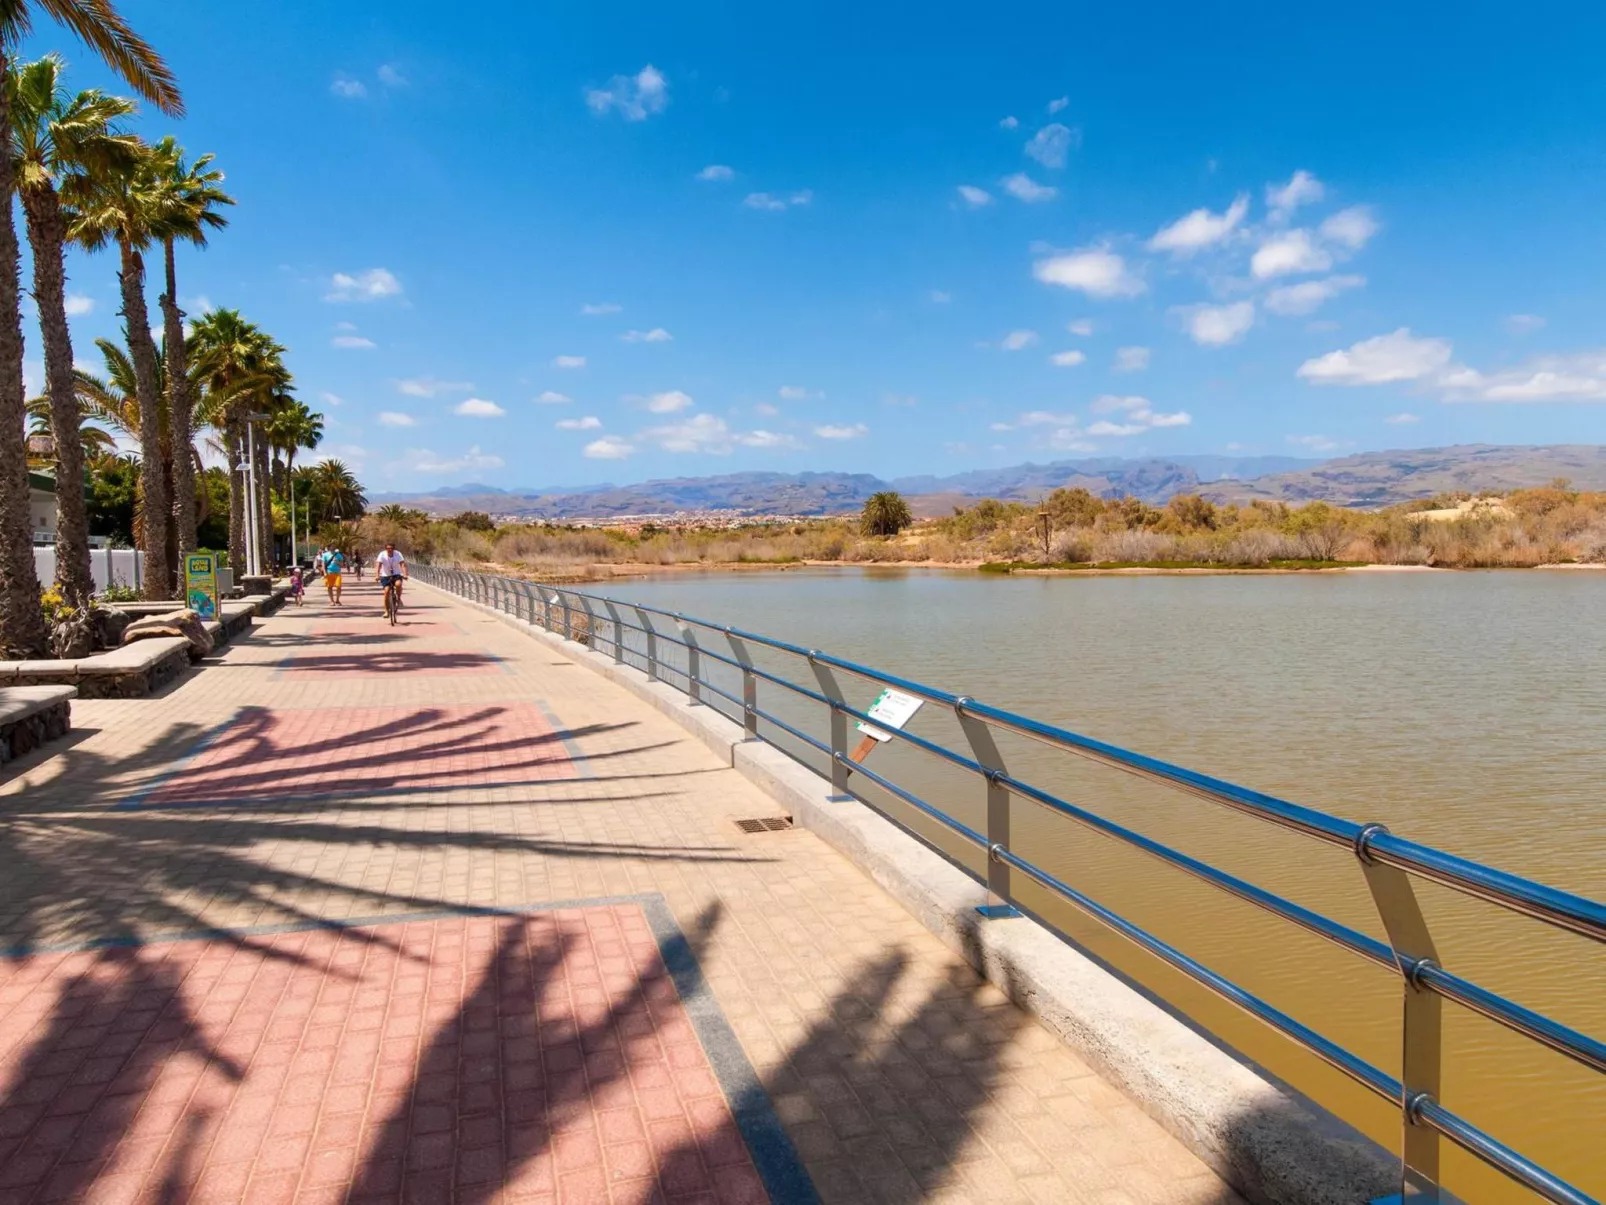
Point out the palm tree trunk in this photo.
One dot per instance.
(180, 411)
(47, 236)
(22, 625)
(142, 349)
(233, 440)
(264, 504)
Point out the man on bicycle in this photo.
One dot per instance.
(391, 569)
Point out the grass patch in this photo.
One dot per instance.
(1277, 563)
(744, 558)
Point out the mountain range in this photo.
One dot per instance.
(1367, 479)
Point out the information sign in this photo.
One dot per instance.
(200, 584)
(894, 709)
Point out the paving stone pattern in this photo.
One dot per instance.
(272, 1057)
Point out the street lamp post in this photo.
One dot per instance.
(253, 526)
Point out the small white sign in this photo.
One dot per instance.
(892, 708)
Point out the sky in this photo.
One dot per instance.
(556, 245)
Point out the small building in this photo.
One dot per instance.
(42, 506)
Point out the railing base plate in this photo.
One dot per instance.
(997, 911)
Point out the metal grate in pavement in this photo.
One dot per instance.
(765, 824)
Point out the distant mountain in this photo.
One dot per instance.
(1369, 479)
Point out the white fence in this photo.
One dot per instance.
(110, 566)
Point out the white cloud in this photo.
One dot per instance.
(331, 399)
(1289, 252)
(766, 439)
(974, 197)
(1009, 123)
(672, 401)
(199, 304)
(1353, 227)
(589, 423)
(395, 418)
(1217, 325)
(551, 397)
(1096, 271)
(1058, 103)
(368, 285)
(716, 171)
(353, 342)
(568, 361)
(853, 431)
(1316, 443)
(1385, 359)
(1105, 427)
(1517, 324)
(423, 461)
(656, 335)
(1110, 403)
(1052, 144)
(1023, 188)
(1080, 326)
(609, 447)
(696, 433)
(1018, 340)
(636, 97)
(430, 387)
(1130, 359)
(1580, 377)
(1307, 296)
(1302, 189)
(478, 407)
(939, 297)
(1067, 359)
(1200, 228)
(344, 86)
(775, 204)
(599, 308)
(795, 393)
(1046, 418)
(1402, 418)
(1069, 439)
(1137, 415)
(767, 410)
(390, 75)
(78, 305)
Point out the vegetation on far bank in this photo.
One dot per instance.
(1548, 525)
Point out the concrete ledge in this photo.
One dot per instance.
(1272, 1144)
(32, 715)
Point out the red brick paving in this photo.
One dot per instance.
(314, 752)
(544, 1057)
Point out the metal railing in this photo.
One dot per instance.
(1389, 862)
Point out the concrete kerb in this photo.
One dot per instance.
(1269, 1142)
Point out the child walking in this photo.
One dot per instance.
(297, 587)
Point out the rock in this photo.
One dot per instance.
(176, 623)
(73, 638)
(109, 627)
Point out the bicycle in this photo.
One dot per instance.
(392, 601)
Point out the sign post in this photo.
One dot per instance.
(894, 709)
(200, 584)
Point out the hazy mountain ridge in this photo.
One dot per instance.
(1368, 479)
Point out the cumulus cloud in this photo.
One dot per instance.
(1023, 188)
(1136, 415)
(395, 418)
(568, 361)
(1302, 189)
(370, 284)
(1080, 326)
(716, 171)
(551, 397)
(696, 433)
(1052, 144)
(429, 386)
(795, 393)
(973, 196)
(1573, 378)
(851, 431)
(774, 203)
(347, 88)
(766, 439)
(767, 410)
(609, 447)
(633, 97)
(1130, 359)
(1096, 271)
(1008, 123)
(423, 461)
(390, 75)
(1517, 324)
(1402, 418)
(589, 423)
(1382, 360)
(478, 407)
(352, 343)
(656, 335)
(1217, 325)
(1067, 359)
(597, 309)
(1018, 340)
(1307, 296)
(1352, 227)
(78, 305)
(1199, 229)
(1058, 103)
(672, 401)
(1292, 251)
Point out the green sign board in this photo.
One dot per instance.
(200, 584)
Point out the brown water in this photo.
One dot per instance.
(1466, 710)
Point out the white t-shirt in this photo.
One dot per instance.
(389, 564)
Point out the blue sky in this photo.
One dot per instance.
(938, 238)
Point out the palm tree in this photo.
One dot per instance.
(293, 426)
(885, 514)
(188, 199)
(121, 206)
(98, 24)
(61, 138)
(339, 493)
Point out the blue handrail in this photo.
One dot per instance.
(1373, 844)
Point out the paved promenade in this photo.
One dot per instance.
(432, 914)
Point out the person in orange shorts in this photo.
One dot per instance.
(333, 562)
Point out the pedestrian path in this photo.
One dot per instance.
(431, 913)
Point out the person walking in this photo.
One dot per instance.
(298, 588)
(333, 562)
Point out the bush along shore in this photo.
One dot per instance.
(1069, 531)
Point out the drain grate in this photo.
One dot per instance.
(765, 824)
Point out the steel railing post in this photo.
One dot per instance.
(1421, 1030)
(591, 622)
(694, 661)
(839, 728)
(618, 631)
(984, 746)
(546, 609)
(568, 619)
(652, 644)
(749, 684)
